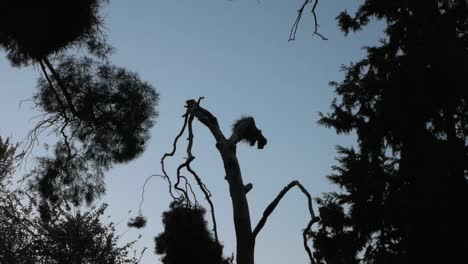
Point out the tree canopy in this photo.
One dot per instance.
(104, 117)
(406, 186)
(186, 238)
(32, 30)
(100, 113)
(36, 232)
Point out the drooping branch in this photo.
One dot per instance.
(143, 191)
(292, 33)
(271, 207)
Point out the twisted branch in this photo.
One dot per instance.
(171, 154)
(202, 186)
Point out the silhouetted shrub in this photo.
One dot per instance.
(186, 238)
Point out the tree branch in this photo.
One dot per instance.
(245, 244)
(271, 207)
(53, 88)
(202, 186)
(292, 33)
(170, 154)
(62, 87)
(206, 118)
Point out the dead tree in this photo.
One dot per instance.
(243, 130)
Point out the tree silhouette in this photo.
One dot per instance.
(31, 31)
(185, 232)
(7, 158)
(405, 188)
(106, 121)
(36, 232)
(100, 113)
(186, 238)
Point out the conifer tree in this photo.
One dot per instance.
(405, 188)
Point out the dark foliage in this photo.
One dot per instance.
(31, 30)
(7, 158)
(249, 131)
(405, 189)
(186, 238)
(56, 236)
(33, 232)
(137, 222)
(103, 115)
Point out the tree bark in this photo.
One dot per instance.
(245, 242)
(227, 148)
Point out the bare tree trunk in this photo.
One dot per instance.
(241, 213)
(244, 130)
(240, 205)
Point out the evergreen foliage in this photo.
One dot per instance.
(31, 30)
(107, 120)
(100, 113)
(186, 238)
(33, 232)
(405, 189)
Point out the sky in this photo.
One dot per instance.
(237, 55)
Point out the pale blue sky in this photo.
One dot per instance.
(237, 55)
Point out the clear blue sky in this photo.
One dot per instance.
(237, 55)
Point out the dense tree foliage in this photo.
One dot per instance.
(7, 158)
(33, 232)
(186, 238)
(32, 30)
(57, 235)
(106, 120)
(405, 189)
(100, 113)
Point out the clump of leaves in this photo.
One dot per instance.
(31, 30)
(137, 222)
(186, 238)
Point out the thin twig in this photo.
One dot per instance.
(188, 186)
(207, 196)
(292, 33)
(143, 191)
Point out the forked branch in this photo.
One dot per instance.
(271, 207)
(292, 33)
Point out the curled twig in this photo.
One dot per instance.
(143, 190)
